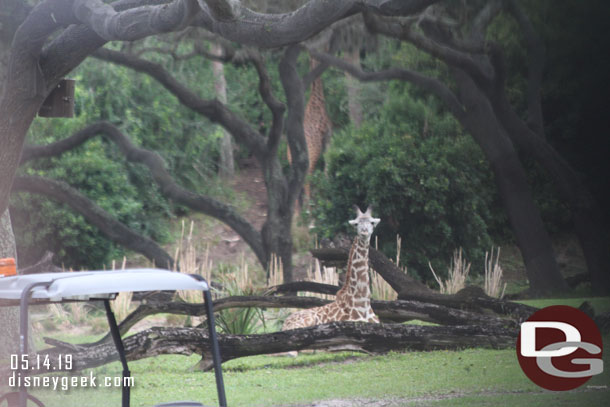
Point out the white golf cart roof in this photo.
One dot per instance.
(87, 285)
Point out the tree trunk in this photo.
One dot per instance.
(227, 167)
(353, 90)
(9, 316)
(277, 240)
(587, 216)
(589, 226)
(532, 238)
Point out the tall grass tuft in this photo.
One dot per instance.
(457, 274)
(398, 250)
(275, 274)
(58, 314)
(380, 289)
(493, 275)
(189, 263)
(323, 275)
(121, 305)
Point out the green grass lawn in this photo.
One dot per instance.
(472, 377)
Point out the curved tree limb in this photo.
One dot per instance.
(24, 86)
(293, 86)
(134, 23)
(445, 52)
(536, 58)
(276, 30)
(237, 58)
(78, 41)
(212, 109)
(113, 229)
(432, 85)
(221, 10)
(167, 184)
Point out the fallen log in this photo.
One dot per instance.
(388, 311)
(370, 338)
(302, 286)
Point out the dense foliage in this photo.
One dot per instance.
(435, 191)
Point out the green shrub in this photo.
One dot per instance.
(42, 224)
(435, 192)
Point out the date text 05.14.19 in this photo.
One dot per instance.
(42, 362)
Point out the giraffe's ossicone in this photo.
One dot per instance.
(353, 300)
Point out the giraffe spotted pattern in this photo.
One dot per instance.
(353, 300)
(317, 126)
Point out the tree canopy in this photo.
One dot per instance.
(469, 69)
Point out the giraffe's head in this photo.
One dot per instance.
(364, 222)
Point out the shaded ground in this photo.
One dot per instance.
(583, 397)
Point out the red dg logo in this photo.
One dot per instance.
(560, 348)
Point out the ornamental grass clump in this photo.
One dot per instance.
(493, 275)
(457, 274)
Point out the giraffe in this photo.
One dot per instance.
(316, 126)
(353, 300)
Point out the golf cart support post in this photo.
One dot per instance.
(102, 286)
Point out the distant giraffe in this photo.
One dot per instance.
(353, 300)
(316, 126)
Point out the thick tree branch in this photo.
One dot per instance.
(167, 184)
(536, 57)
(134, 23)
(432, 85)
(276, 30)
(77, 42)
(484, 18)
(240, 57)
(212, 109)
(405, 31)
(24, 86)
(277, 108)
(113, 229)
(293, 87)
(33, 152)
(221, 10)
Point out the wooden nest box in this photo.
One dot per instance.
(60, 102)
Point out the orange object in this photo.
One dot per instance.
(8, 267)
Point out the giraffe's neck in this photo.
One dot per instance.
(317, 88)
(356, 284)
